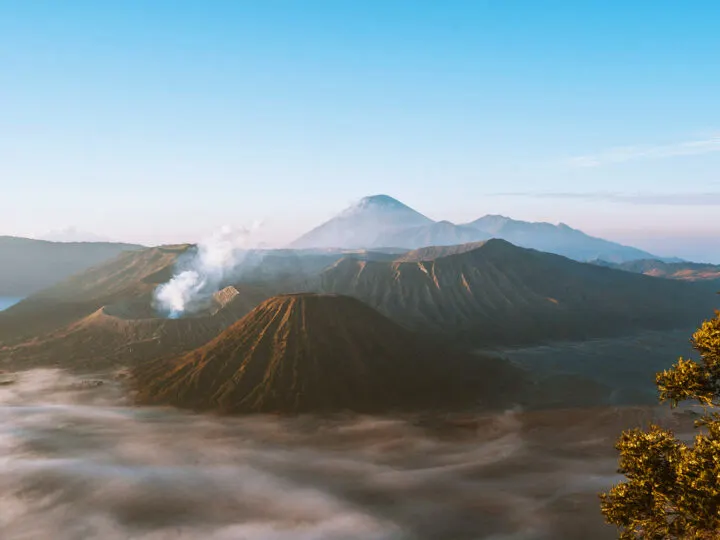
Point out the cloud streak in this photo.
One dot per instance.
(646, 152)
(659, 199)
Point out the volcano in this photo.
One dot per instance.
(323, 353)
(360, 225)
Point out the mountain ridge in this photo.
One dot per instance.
(496, 292)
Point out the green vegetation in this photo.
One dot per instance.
(673, 488)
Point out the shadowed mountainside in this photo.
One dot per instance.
(321, 353)
(500, 293)
(684, 271)
(31, 265)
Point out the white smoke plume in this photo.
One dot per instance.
(204, 273)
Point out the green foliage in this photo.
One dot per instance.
(673, 488)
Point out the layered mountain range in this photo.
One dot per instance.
(382, 221)
(369, 326)
(379, 223)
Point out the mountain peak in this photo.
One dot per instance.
(381, 198)
(379, 201)
(362, 223)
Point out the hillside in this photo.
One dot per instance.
(320, 353)
(441, 233)
(500, 293)
(362, 223)
(559, 239)
(684, 271)
(431, 253)
(31, 265)
(130, 332)
(130, 275)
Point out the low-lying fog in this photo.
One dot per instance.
(77, 463)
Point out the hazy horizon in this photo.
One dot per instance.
(159, 123)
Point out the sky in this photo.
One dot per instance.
(161, 121)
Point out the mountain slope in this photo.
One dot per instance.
(441, 233)
(31, 265)
(128, 333)
(431, 253)
(130, 275)
(500, 293)
(319, 353)
(559, 239)
(360, 225)
(684, 271)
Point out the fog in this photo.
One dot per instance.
(78, 462)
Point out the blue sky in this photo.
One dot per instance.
(160, 120)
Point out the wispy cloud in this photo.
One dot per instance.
(632, 153)
(667, 199)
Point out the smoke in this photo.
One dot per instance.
(216, 259)
(77, 462)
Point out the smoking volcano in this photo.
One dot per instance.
(204, 271)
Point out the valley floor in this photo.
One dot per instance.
(624, 366)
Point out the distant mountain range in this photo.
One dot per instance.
(382, 221)
(72, 234)
(31, 265)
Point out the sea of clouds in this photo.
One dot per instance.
(80, 462)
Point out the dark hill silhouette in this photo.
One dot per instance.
(31, 265)
(500, 293)
(323, 353)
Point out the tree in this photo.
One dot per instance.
(673, 488)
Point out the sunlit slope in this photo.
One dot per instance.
(307, 352)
